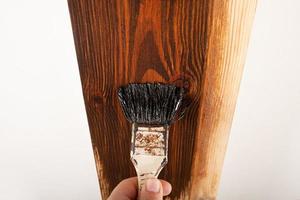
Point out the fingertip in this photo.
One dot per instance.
(152, 190)
(167, 187)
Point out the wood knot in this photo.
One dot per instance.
(182, 81)
(98, 99)
(103, 97)
(192, 89)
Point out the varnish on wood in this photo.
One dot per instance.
(196, 44)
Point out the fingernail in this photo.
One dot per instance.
(153, 185)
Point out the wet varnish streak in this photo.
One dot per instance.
(198, 44)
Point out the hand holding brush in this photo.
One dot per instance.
(154, 189)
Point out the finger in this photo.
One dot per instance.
(151, 190)
(125, 190)
(167, 188)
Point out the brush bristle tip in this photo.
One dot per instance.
(151, 103)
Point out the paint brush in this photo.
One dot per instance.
(151, 108)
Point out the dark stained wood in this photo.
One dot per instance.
(199, 44)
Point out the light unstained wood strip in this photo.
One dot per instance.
(224, 66)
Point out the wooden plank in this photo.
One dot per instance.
(200, 45)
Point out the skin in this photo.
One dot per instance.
(128, 190)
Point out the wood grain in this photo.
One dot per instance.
(198, 44)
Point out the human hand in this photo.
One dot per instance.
(153, 189)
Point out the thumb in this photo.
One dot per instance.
(151, 190)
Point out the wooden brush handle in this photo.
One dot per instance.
(149, 151)
(142, 178)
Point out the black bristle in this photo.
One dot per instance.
(151, 103)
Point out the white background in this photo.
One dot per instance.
(41, 108)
